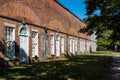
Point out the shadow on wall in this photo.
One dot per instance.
(23, 57)
(2, 62)
(7, 61)
(20, 58)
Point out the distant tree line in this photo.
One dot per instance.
(106, 23)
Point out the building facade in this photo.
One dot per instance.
(35, 30)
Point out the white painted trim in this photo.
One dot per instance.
(35, 30)
(58, 36)
(62, 35)
(70, 37)
(28, 55)
(76, 45)
(57, 44)
(62, 43)
(27, 29)
(33, 55)
(27, 37)
(52, 34)
(9, 24)
(52, 51)
(14, 34)
(70, 45)
(73, 46)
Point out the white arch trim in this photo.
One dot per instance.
(25, 27)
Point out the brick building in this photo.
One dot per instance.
(39, 29)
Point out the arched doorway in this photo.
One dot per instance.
(57, 45)
(24, 44)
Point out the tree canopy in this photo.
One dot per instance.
(103, 15)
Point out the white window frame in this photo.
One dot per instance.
(70, 45)
(73, 46)
(88, 45)
(35, 42)
(76, 45)
(57, 45)
(12, 55)
(84, 46)
(62, 45)
(52, 44)
(81, 45)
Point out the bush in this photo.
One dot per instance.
(101, 48)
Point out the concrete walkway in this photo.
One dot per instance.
(115, 69)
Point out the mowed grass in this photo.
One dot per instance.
(92, 66)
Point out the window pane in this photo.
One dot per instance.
(9, 43)
(34, 44)
(52, 44)
(62, 44)
(23, 31)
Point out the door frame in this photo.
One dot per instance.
(57, 43)
(27, 35)
(62, 44)
(52, 36)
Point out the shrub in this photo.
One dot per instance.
(101, 48)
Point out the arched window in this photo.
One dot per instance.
(57, 37)
(23, 31)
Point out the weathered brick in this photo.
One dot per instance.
(41, 12)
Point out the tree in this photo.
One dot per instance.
(103, 15)
(104, 42)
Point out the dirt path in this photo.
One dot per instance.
(115, 69)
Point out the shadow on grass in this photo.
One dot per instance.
(82, 67)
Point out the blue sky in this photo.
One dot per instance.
(75, 6)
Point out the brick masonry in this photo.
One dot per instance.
(41, 12)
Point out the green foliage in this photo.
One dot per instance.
(103, 16)
(104, 41)
(117, 42)
(101, 48)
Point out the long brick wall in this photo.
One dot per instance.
(41, 12)
(46, 11)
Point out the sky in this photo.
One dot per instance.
(77, 7)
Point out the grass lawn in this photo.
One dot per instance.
(92, 66)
